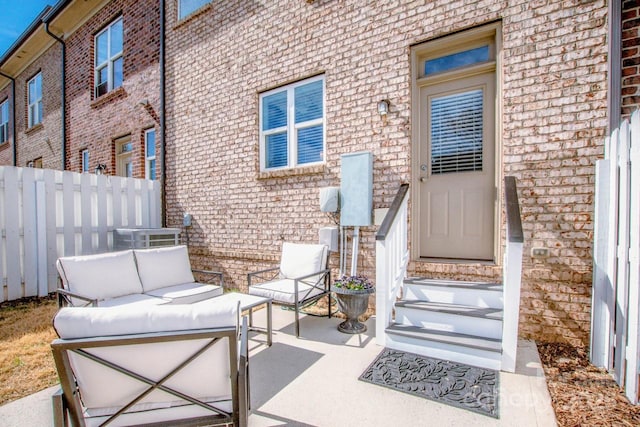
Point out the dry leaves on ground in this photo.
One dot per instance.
(26, 364)
(582, 394)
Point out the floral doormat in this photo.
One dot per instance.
(456, 384)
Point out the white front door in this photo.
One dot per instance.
(457, 168)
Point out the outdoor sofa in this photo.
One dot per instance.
(134, 278)
(152, 365)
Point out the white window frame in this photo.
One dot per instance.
(190, 12)
(84, 159)
(4, 121)
(36, 105)
(147, 158)
(109, 61)
(292, 127)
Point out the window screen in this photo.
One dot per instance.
(456, 132)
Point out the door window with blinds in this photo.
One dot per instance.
(292, 125)
(456, 132)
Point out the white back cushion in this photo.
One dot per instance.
(299, 260)
(162, 267)
(101, 276)
(102, 387)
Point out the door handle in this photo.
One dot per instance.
(423, 179)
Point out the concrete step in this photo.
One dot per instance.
(456, 318)
(462, 348)
(472, 294)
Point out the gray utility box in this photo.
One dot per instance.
(142, 238)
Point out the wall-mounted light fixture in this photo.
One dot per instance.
(383, 107)
(101, 169)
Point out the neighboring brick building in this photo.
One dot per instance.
(108, 122)
(546, 58)
(38, 99)
(111, 123)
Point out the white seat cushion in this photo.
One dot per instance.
(101, 276)
(299, 260)
(133, 300)
(187, 293)
(163, 267)
(84, 322)
(283, 290)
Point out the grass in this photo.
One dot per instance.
(26, 364)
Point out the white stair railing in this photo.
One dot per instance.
(392, 257)
(512, 276)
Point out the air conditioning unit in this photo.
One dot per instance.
(143, 238)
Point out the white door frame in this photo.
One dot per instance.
(444, 45)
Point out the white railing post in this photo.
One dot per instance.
(512, 277)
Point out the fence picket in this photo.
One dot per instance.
(622, 271)
(2, 239)
(69, 215)
(102, 210)
(633, 316)
(86, 215)
(29, 232)
(12, 234)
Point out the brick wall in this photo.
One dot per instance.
(43, 140)
(630, 56)
(6, 149)
(94, 124)
(553, 100)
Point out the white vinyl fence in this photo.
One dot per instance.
(616, 270)
(45, 214)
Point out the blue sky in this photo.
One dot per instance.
(15, 17)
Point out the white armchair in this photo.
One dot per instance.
(167, 365)
(301, 278)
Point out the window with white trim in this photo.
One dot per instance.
(187, 7)
(108, 58)
(150, 153)
(34, 96)
(84, 157)
(4, 121)
(292, 125)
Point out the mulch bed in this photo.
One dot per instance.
(582, 394)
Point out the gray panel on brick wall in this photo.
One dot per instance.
(356, 189)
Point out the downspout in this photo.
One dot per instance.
(163, 157)
(13, 117)
(614, 92)
(64, 94)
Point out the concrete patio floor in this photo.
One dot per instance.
(313, 381)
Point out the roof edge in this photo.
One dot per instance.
(26, 34)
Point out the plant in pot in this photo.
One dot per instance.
(352, 293)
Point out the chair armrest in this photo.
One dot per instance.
(260, 272)
(65, 299)
(211, 272)
(301, 278)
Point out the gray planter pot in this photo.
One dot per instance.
(353, 304)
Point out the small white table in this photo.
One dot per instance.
(249, 302)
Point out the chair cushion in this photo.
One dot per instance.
(102, 276)
(187, 293)
(283, 290)
(163, 267)
(133, 300)
(84, 322)
(299, 260)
